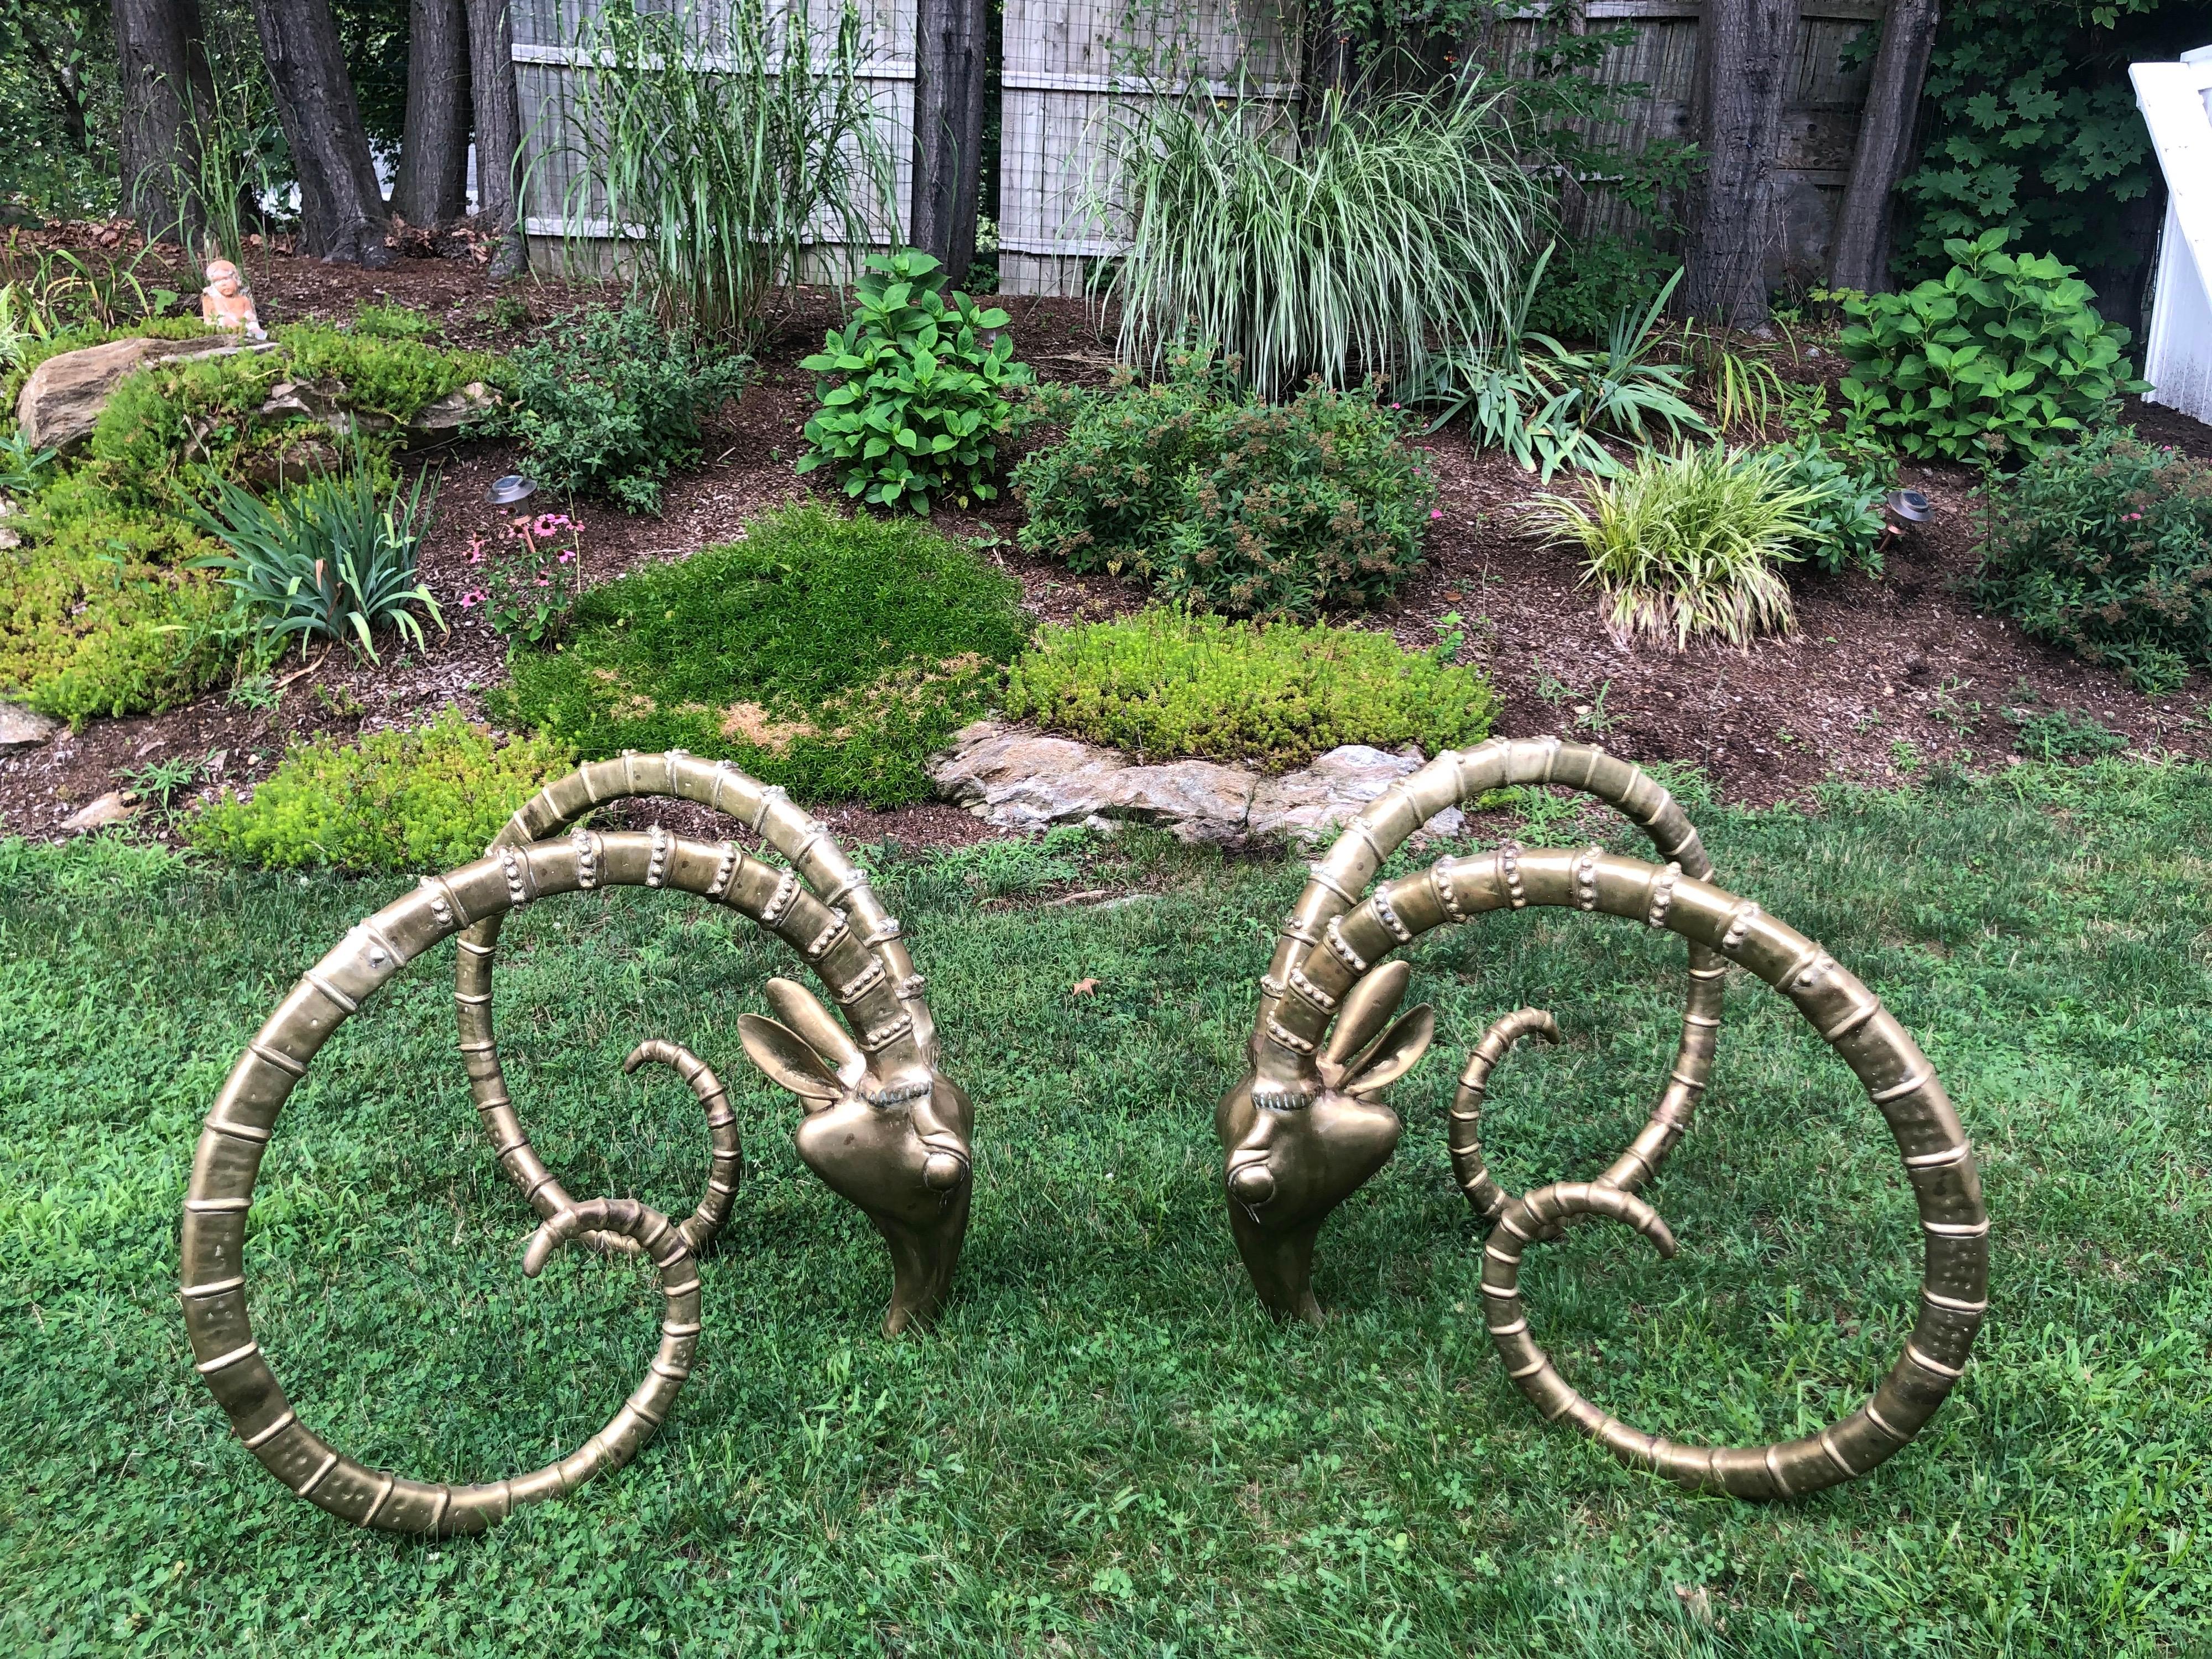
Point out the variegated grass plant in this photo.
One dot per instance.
(1685, 546)
(1393, 231)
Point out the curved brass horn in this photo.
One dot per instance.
(1296, 1143)
(906, 1162)
(1898, 1077)
(237, 1131)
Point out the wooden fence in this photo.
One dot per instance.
(1071, 68)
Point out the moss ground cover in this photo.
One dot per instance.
(1163, 683)
(830, 655)
(1106, 1449)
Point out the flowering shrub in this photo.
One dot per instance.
(2106, 549)
(528, 578)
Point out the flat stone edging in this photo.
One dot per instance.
(1018, 779)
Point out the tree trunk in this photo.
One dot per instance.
(499, 132)
(948, 130)
(342, 214)
(168, 98)
(1859, 251)
(1744, 51)
(433, 146)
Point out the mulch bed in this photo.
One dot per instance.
(1877, 664)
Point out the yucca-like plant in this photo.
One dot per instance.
(330, 559)
(723, 157)
(1394, 232)
(1685, 545)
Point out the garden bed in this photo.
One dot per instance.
(1886, 678)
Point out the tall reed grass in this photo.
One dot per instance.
(1394, 229)
(726, 157)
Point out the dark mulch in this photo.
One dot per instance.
(1882, 671)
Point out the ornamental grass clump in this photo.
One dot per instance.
(2106, 550)
(1165, 683)
(1393, 225)
(1685, 546)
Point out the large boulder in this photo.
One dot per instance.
(1019, 779)
(61, 401)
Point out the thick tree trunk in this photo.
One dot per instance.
(499, 132)
(1744, 50)
(1859, 251)
(167, 101)
(342, 214)
(433, 146)
(948, 130)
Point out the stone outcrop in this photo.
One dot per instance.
(61, 401)
(23, 728)
(63, 398)
(1017, 778)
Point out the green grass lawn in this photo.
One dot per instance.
(1105, 1447)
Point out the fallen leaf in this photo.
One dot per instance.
(1084, 987)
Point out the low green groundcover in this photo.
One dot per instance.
(832, 656)
(1165, 683)
(424, 799)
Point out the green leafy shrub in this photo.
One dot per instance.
(832, 656)
(912, 392)
(1843, 521)
(424, 799)
(1593, 281)
(330, 559)
(1278, 511)
(2004, 350)
(609, 402)
(1683, 546)
(102, 612)
(1167, 682)
(2106, 549)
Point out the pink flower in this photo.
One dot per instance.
(547, 523)
(472, 598)
(1436, 513)
(2127, 517)
(545, 581)
(568, 556)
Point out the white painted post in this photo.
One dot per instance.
(2176, 100)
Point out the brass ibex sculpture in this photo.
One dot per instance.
(890, 1133)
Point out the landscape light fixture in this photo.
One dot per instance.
(505, 492)
(1910, 506)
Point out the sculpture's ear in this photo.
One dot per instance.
(1399, 1051)
(783, 1056)
(796, 1007)
(1367, 1008)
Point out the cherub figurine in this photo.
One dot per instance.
(225, 302)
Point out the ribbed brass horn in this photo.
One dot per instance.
(1298, 1140)
(892, 1138)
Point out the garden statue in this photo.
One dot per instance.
(890, 1133)
(226, 303)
